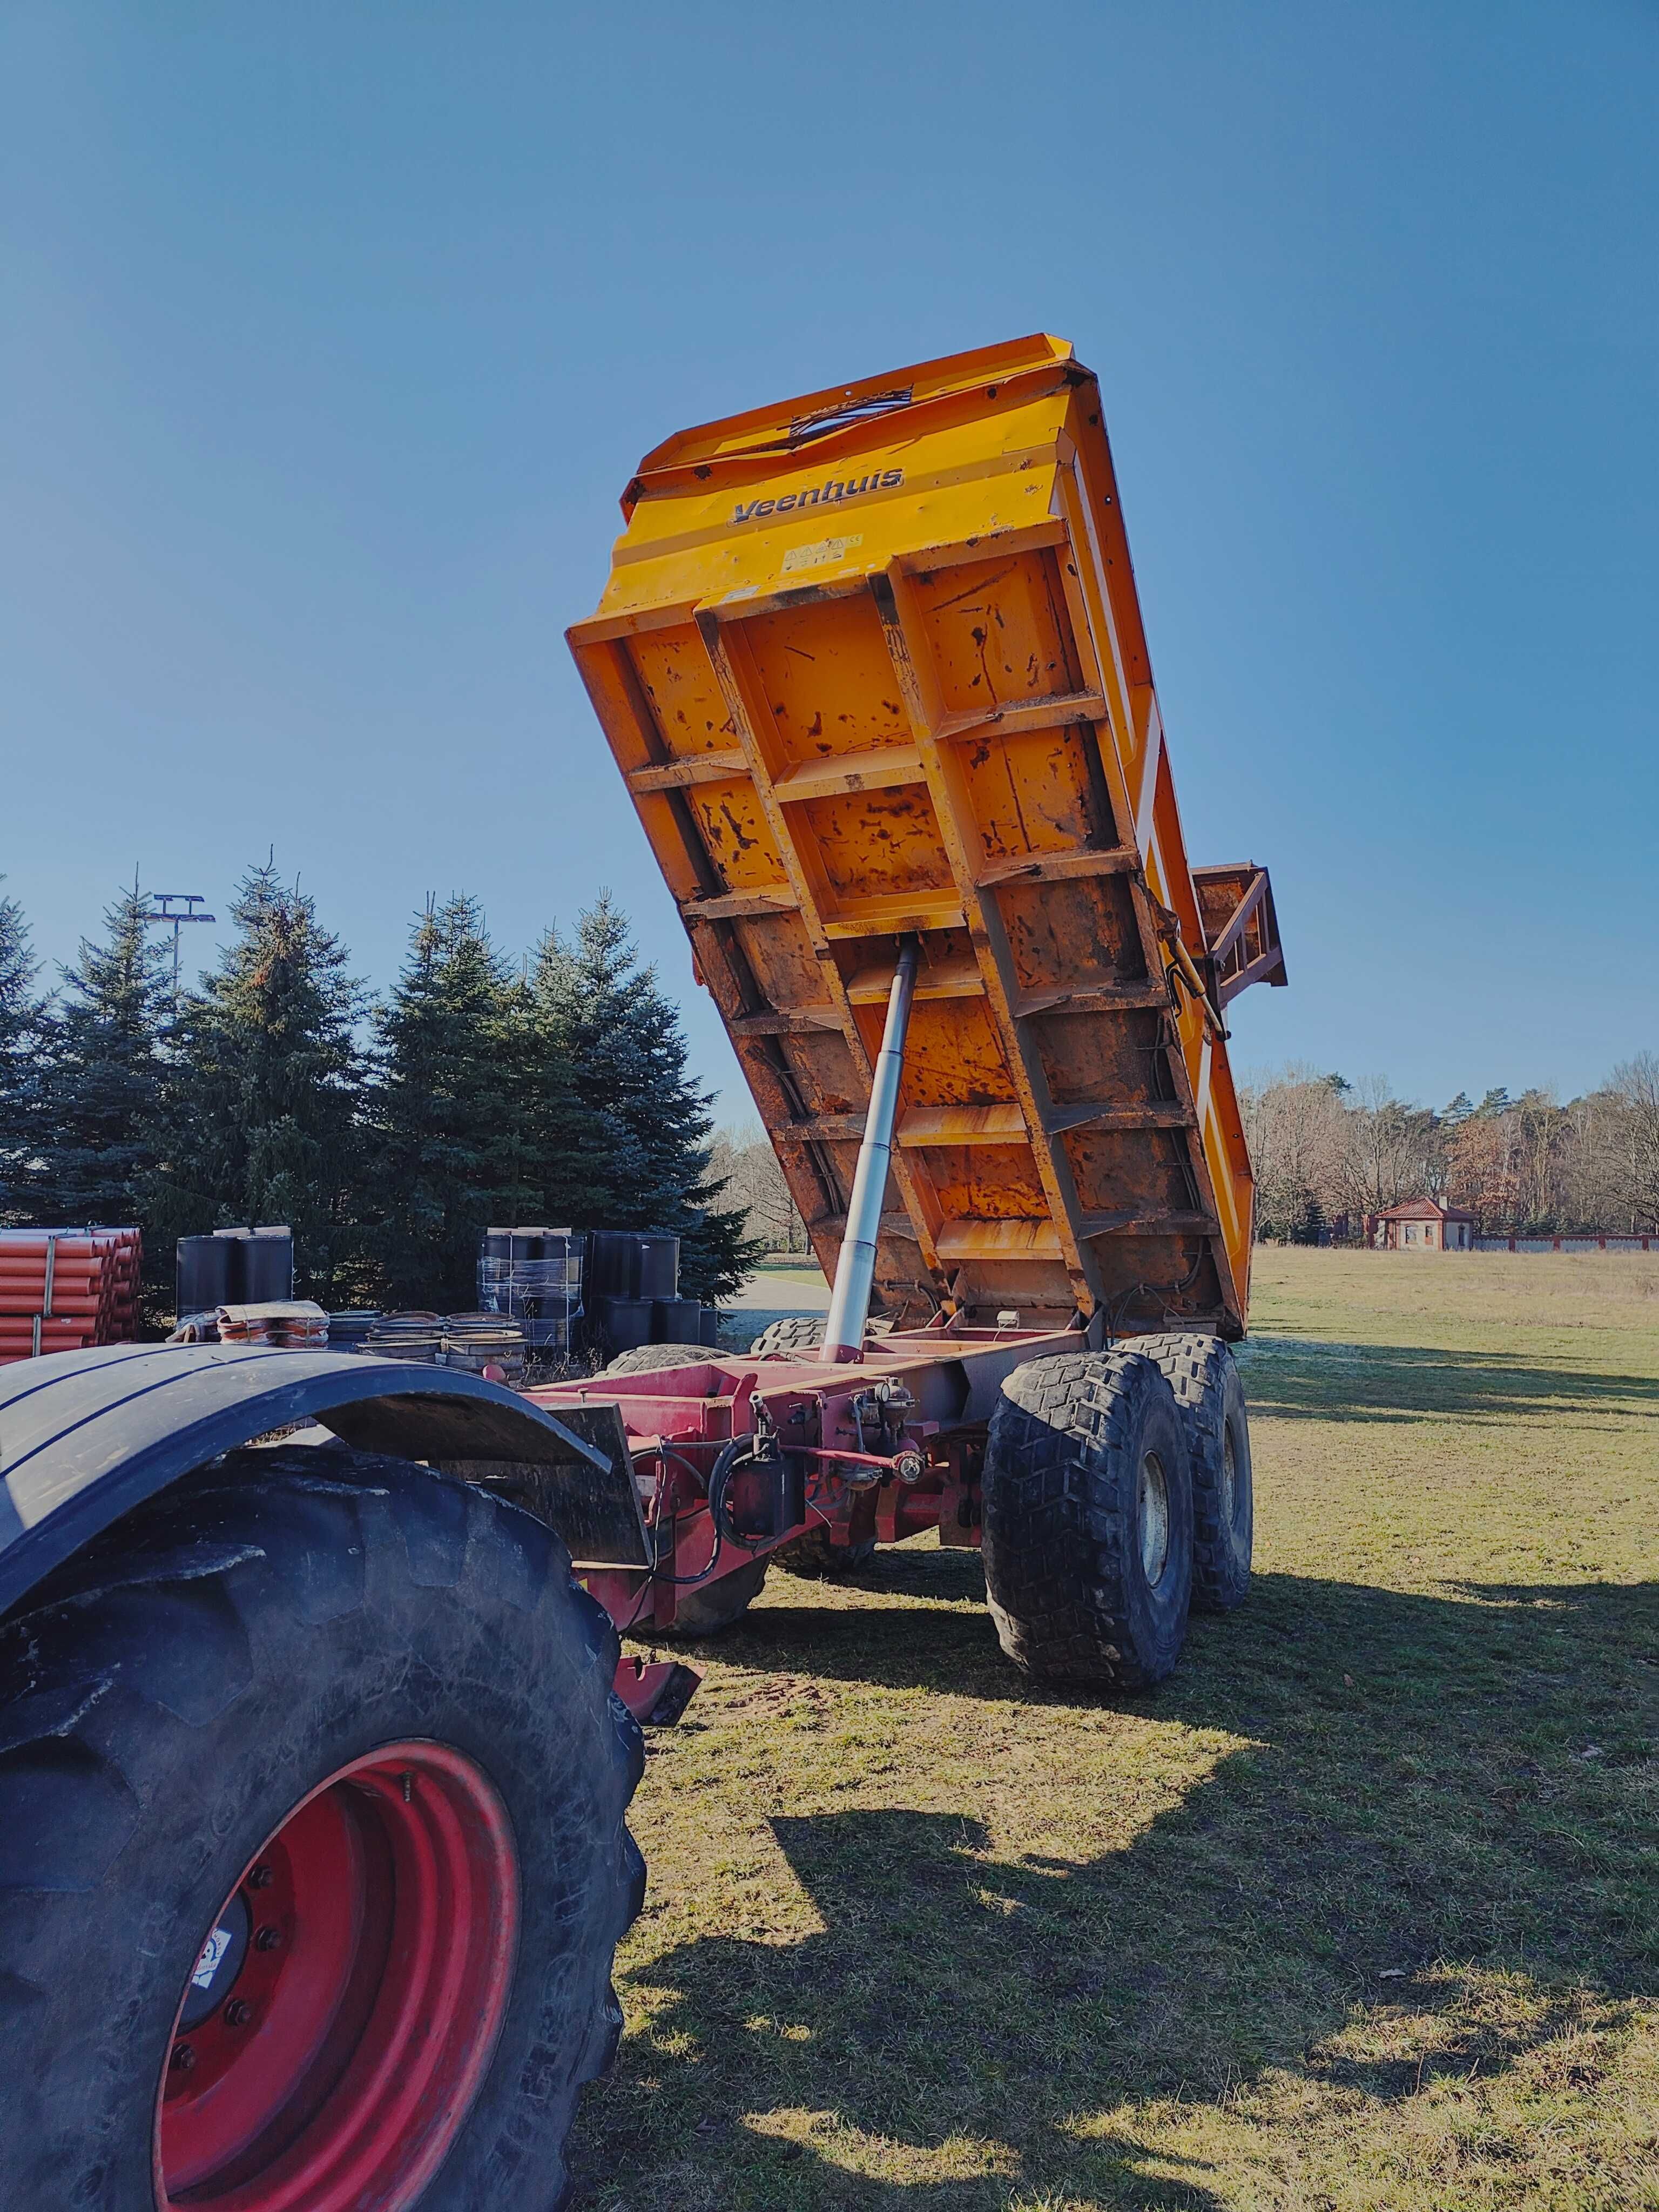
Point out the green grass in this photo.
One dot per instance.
(1361, 1910)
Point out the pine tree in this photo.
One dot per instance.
(261, 1113)
(1311, 1224)
(21, 1020)
(646, 1151)
(465, 1115)
(100, 1077)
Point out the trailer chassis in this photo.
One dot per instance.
(735, 1457)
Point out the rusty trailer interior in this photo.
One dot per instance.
(872, 666)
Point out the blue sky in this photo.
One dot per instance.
(331, 333)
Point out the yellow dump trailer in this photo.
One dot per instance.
(872, 666)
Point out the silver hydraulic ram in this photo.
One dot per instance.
(855, 1269)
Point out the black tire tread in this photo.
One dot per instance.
(150, 1630)
(791, 1333)
(705, 1610)
(796, 1332)
(646, 1358)
(815, 1558)
(1196, 1366)
(1055, 1535)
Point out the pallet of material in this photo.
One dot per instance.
(62, 1290)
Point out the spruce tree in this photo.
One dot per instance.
(649, 1128)
(21, 1018)
(460, 1122)
(101, 1076)
(261, 1116)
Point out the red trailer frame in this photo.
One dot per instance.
(738, 1454)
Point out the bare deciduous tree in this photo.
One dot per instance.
(1635, 1152)
(755, 1182)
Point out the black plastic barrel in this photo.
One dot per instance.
(202, 1274)
(708, 1326)
(267, 1266)
(676, 1320)
(625, 1323)
(613, 1264)
(660, 1267)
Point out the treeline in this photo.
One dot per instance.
(747, 1166)
(1326, 1153)
(389, 1132)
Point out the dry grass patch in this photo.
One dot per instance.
(1362, 1910)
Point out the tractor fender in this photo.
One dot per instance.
(85, 1437)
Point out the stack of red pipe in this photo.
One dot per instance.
(64, 1289)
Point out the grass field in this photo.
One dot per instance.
(1361, 1909)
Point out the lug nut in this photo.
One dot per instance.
(261, 1878)
(183, 2057)
(238, 2012)
(268, 1938)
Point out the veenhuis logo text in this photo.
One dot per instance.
(827, 494)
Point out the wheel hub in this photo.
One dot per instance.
(1154, 1502)
(346, 2000)
(220, 1964)
(1229, 1479)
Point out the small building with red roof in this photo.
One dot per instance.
(1421, 1224)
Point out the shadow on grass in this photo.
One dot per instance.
(1292, 1378)
(1403, 1810)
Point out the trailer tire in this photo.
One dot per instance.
(1088, 1520)
(1204, 1375)
(646, 1358)
(706, 1610)
(304, 1704)
(815, 1558)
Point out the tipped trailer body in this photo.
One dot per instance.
(318, 1736)
(873, 667)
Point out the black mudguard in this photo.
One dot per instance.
(85, 1437)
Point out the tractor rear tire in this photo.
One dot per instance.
(714, 1606)
(1204, 1375)
(646, 1358)
(337, 1733)
(1088, 1536)
(814, 1557)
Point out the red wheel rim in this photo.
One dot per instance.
(348, 1997)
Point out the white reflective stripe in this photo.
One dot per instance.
(1224, 1190)
(1204, 1081)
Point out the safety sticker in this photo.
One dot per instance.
(820, 553)
(212, 1958)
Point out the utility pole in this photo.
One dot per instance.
(172, 909)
